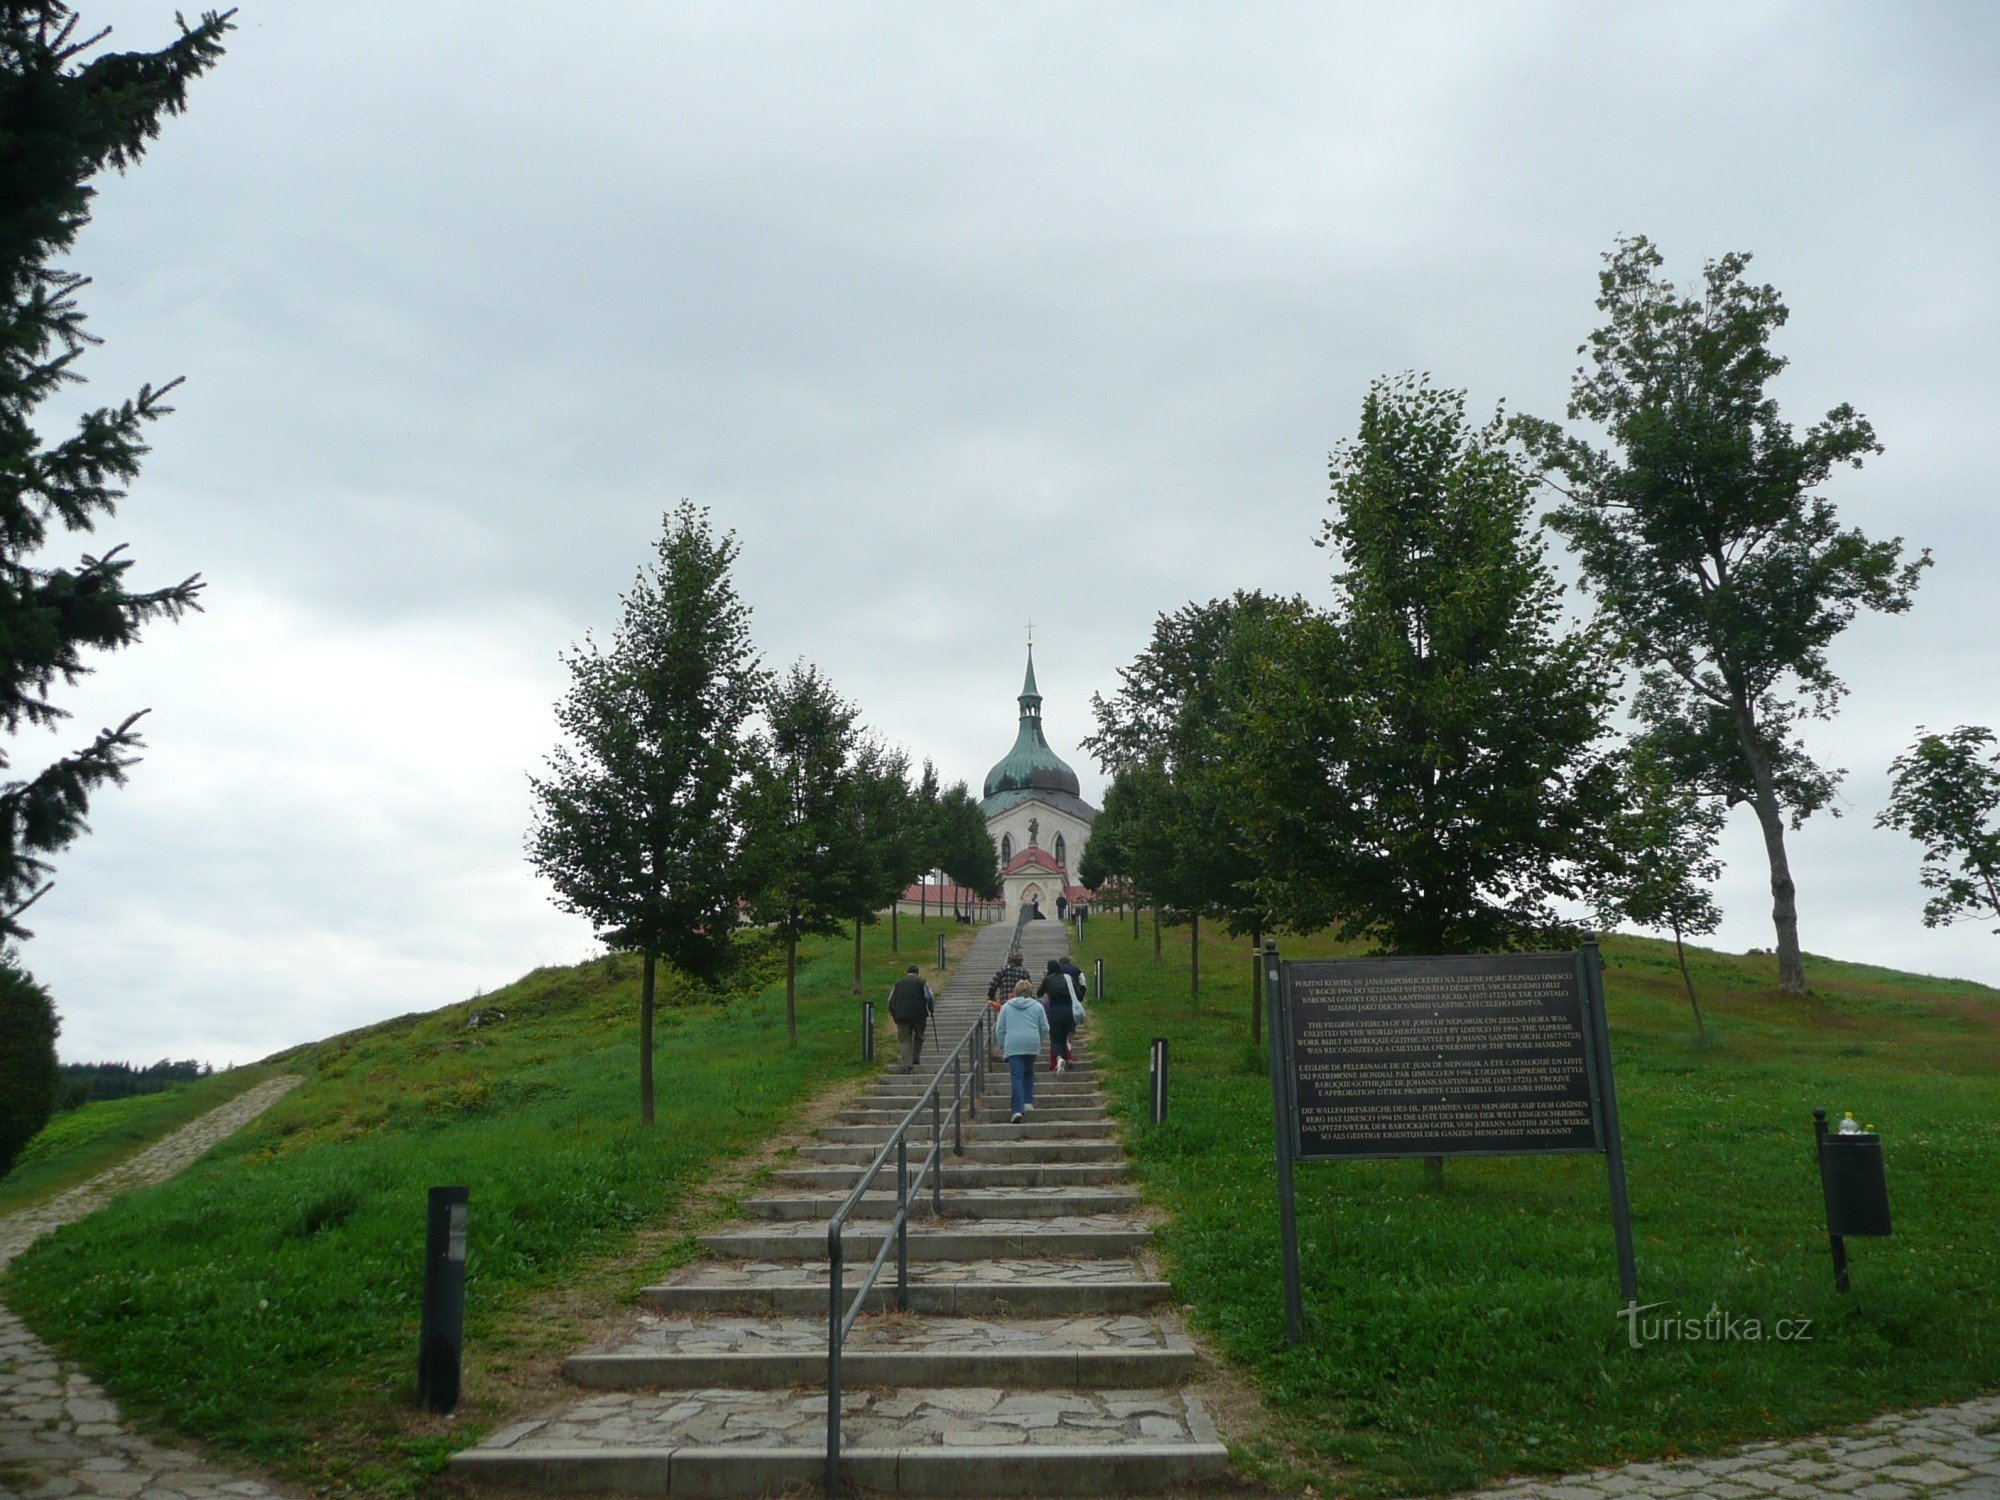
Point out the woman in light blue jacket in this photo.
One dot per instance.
(1022, 1031)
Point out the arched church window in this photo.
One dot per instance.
(1006, 848)
(1062, 856)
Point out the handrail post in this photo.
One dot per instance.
(958, 1106)
(833, 1351)
(903, 1224)
(937, 1152)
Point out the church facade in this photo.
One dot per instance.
(1036, 815)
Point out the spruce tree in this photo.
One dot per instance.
(634, 822)
(68, 110)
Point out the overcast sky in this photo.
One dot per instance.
(957, 315)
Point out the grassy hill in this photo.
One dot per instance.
(1467, 1329)
(266, 1300)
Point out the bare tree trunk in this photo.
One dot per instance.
(857, 955)
(1135, 921)
(1701, 1028)
(1194, 958)
(895, 939)
(646, 1040)
(1784, 894)
(1156, 934)
(792, 987)
(924, 901)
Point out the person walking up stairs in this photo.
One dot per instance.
(1038, 1356)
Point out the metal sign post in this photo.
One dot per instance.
(1481, 1054)
(1282, 1110)
(1097, 976)
(868, 1031)
(1159, 1080)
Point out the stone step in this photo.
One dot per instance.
(1020, 1149)
(1097, 1351)
(988, 1129)
(966, 1175)
(901, 1440)
(1002, 1203)
(1066, 1235)
(979, 1288)
(1045, 1113)
(1051, 1083)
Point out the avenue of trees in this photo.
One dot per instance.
(694, 792)
(70, 111)
(1430, 761)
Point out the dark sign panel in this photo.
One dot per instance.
(1440, 1056)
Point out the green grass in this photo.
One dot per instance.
(77, 1145)
(1464, 1330)
(266, 1300)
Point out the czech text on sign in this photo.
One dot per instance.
(1441, 1056)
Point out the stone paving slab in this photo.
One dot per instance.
(1943, 1453)
(966, 1416)
(1067, 1270)
(60, 1435)
(726, 1335)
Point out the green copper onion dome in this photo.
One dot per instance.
(1031, 766)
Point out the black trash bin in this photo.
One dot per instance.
(1855, 1187)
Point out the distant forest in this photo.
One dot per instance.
(85, 1082)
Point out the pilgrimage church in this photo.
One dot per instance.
(1036, 815)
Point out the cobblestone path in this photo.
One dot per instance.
(59, 1434)
(1037, 1355)
(1947, 1451)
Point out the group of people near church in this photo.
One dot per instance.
(1027, 1019)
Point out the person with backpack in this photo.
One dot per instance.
(911, 1006)
(1022, 1030)
(1063, 1002)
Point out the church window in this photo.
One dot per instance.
(1006, 848)
(1062, 858)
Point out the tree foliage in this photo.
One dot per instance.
(1424, 767)
(1944, 792)
(65, 116)
(634, 823)
(959, 844)
(1726, 577)
(1667, 859)
(804, 858)
(29, 1081)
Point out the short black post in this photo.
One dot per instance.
(441, 1326)
(868, 1031)
(1838, 1241)
(1159, 1080)
(1097, 976)
(940, 951)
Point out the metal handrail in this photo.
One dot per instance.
(839, 1319)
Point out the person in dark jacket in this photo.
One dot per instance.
(1075, 976)
(1056, 995)
(911, 1006)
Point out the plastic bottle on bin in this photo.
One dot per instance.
(1847, 1125)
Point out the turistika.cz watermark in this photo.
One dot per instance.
(1714, 1327)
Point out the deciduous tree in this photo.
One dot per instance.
(67, 112)
(1724, 573)
(634, 821)
(1426, 767)
(800, 856)
(1944, 792)
(1668, 860)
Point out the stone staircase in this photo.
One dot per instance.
(1037, 1356)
